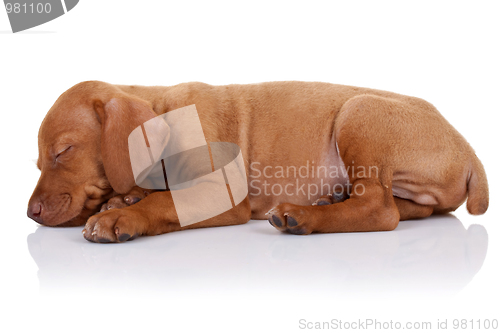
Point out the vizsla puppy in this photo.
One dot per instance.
(319, 158)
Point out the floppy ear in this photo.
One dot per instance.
(118, 118)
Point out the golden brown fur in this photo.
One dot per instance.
(424, 166)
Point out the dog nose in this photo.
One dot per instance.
(35, 211)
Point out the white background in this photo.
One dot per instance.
(444, 52)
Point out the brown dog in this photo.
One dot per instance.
(378, 158)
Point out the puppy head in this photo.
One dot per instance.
(83, 152)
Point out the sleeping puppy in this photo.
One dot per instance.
(318, 157)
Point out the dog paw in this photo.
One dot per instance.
(125, 200)
(113, 226)
(324, 200)
(290, 218)
(332, 198)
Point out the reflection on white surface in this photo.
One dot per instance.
(430, 257)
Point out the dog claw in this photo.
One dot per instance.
(270, 211)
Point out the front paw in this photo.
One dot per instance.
(291, 218)
(114, 226)
(124, 200)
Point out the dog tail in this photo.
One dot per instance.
(477, 188)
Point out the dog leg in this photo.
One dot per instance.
(412, 210)
(398, 141)
(373, 210)
(407, 208)
(153, 215)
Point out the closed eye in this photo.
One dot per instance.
(63, 151)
